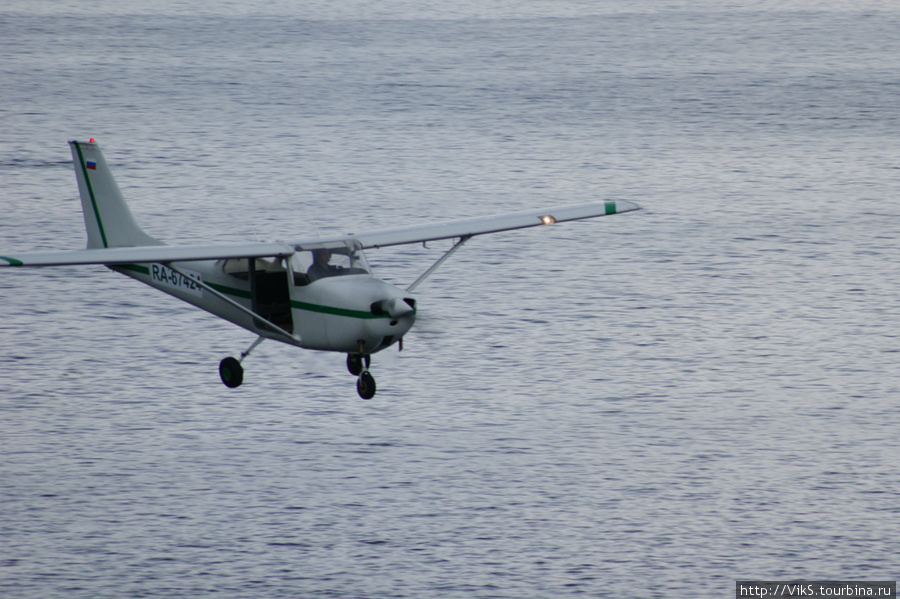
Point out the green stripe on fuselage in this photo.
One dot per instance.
(231, 291)
(243, 294)
(319, 309)
(141, 270)
(12, 261)
(335, 311)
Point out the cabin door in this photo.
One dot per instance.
(271, 296)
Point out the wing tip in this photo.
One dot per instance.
(10, 261)
(626, 206)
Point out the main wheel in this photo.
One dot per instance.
(365, 385)
(232, 372)
(355, 363)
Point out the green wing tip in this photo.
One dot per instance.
(12, 261)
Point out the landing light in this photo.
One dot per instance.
(547, 220)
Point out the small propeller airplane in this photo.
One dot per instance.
(313, 293)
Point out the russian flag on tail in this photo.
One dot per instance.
(91, 164)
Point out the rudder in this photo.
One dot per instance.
(107, 218)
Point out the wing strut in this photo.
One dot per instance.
(292, 337)
(440, 261)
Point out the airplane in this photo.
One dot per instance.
(315, 293)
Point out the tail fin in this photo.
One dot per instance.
(108, 220)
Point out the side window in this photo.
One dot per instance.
(300, 263)
(320, 263)
(237, 267)
(240, 267)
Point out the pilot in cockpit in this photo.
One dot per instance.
(320, 267)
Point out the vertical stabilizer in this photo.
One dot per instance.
(108, 219)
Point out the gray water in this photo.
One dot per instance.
(647, 405)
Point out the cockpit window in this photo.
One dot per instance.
(329, 262)
(240, 267)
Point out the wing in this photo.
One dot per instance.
(480, 225)
(388, 237)
(154, 253)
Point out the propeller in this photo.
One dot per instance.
(395, 306)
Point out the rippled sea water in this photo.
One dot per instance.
(649, 405)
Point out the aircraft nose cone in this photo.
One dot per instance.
(396, 307)
(400, 306)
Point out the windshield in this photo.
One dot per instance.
(329, 262)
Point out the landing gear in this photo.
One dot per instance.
(358, 365)
(230, 369)
(355, 363)
(232, 372)
(365, 382)
(365, 385)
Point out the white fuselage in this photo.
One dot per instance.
(352, 313)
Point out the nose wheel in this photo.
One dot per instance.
(365, 385)
(358, 366)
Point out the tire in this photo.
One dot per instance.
(232, 372)
(354, 364)
(365, 386)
